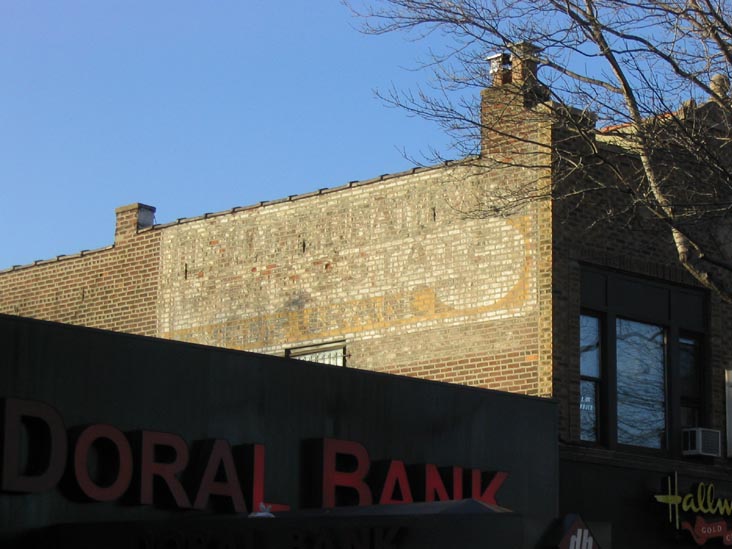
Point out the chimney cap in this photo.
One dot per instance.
(524, 49)
(517, 65)
(499, 62)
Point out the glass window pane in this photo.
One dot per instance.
(641, 401)
(588, 410)
(689, 417)
(689, 381)
(689, 368)
(590, 346)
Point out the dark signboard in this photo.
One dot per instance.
(128, 439)
(699, 511)
(644, 503)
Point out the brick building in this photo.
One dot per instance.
(399, 275)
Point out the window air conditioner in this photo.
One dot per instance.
(701, 442)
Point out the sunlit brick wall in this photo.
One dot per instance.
(114, 288)
(393, 267)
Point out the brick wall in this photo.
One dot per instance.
(627, 242)
(114, 288)
(393, 267)
(404, 270)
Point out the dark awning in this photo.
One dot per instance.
(458, 507)
(466, 524)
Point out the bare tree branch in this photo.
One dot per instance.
(653, 76)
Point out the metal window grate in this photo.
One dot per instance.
(334, 356)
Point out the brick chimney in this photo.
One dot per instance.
(132, 218)
(509, 115)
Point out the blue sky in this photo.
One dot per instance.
(191, 107)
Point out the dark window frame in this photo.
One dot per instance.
(696, 402)
(599, 381)
(604, 297)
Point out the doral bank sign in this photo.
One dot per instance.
(109, 436)
(102, 461)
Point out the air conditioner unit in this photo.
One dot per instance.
(701, 442)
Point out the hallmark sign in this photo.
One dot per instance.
(700, 512)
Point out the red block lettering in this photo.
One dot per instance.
(123, 475)
(47, 446)
(167, 471)
(258, 482)
(396, 476)
(489, 494)
(333, 478)
(220, 457)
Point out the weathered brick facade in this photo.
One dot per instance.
(390, 267)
